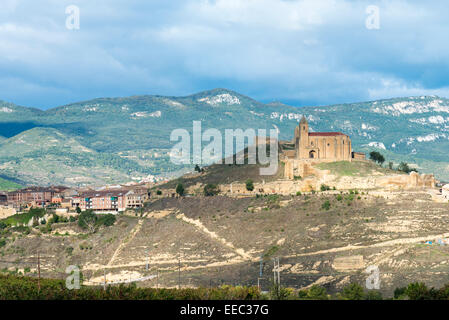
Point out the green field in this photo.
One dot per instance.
(354, 168)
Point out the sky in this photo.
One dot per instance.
(308, 52)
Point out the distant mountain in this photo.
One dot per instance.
(109, 140)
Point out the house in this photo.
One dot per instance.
(103, 201)
(135, 198)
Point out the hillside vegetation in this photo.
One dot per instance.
(355, 168)
(116, 139)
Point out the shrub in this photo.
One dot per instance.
(211, 190)
(298, 193)
(106, 220)
(87, 220)
(78, 210)
(278, 292)
(352, 291)
(159, 192)
(404, 167)
(417, 291)
(69, 251)
(180, 189)
(326, 205)
(324, 187)
(373, 295)
(249, 185)
(317, 293)
(339, 197)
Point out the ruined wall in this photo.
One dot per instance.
(445, 192)
(307, 184)
(6, 212)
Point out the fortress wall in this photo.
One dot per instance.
(290, 187)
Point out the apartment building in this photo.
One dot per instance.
(35, 196)
(104, 200)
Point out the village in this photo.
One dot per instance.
(300, 160)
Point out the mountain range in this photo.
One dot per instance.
(116, 140)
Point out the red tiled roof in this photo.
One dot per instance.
(325, 134)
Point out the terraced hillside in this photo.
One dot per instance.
(217, 240)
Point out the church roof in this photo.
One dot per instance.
(325, 134)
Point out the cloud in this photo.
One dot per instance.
(302, 52)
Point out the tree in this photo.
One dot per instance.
(377, 157)
(373, 295)
(88, 221)
(106, 220)
(390, 165)
(180, 189)
(317, 293)
(197, 168)
(352, 291)
(78, 209)
(404, 167)
(417, 291)
(249, 185)
(211, 190)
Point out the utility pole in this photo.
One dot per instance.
(104, 279)
(39, 272)
(148, 261)
(276, 272)
(258, 282)
(179, 273)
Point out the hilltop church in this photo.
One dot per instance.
(334, 146)
(308, 148)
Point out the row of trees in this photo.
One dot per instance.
(380, 159)
(14, 287)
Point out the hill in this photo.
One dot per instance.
(137, 129)
(211, 241)
(6, 185)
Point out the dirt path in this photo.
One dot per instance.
(213, 235)
(375, 245)
(126, 241)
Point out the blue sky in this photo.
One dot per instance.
(310, 52)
